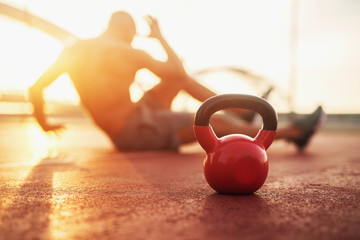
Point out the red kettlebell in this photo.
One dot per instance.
(236, 163)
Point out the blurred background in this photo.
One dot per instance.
(308, 50)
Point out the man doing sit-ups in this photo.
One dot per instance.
(102, 70)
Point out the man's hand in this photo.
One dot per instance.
(154, 27)
(57, 129)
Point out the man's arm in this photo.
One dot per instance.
(156, 33)
(36, 95)
(173, 67)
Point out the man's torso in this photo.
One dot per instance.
(102, 72)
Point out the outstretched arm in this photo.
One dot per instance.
(194, 88)
(173, 63)
(156, 33)
(36, 95)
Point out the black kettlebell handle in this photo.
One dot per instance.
(220, 102)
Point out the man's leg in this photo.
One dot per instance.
(224, 125)
(201, 93)
(166, 91)
(300, 132)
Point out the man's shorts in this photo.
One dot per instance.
(152, 127)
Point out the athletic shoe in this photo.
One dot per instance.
(308, 126)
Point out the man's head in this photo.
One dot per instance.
(122, 26)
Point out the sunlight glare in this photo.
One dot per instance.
(62, 90)
(39, 143)
(25, 53)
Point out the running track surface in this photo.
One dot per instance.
(78, 187)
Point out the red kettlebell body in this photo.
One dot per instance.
(236, 163)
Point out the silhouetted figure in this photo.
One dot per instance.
(102, 70)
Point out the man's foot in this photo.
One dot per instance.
(308, 126)
(249, 116)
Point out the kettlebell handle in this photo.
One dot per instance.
(225, 101)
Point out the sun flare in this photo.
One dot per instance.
(25, 53)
